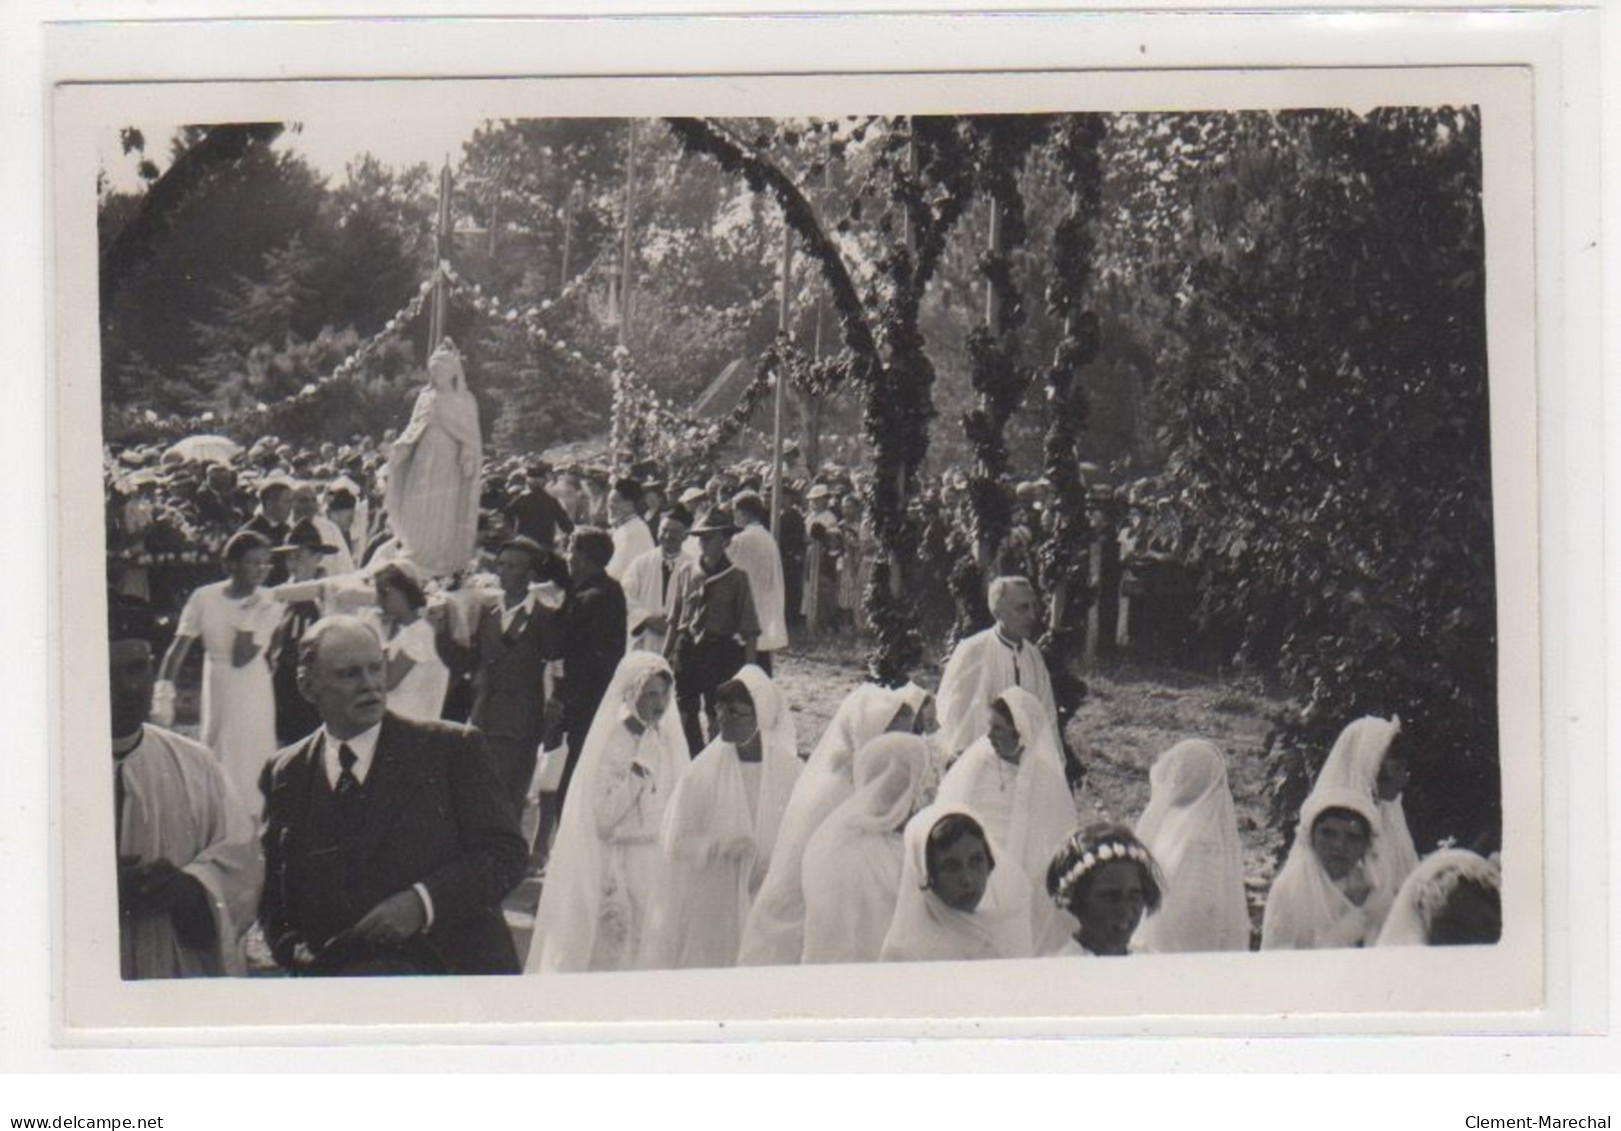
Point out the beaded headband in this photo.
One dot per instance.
(1108, 851)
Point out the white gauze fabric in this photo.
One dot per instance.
(1427, 889)
(1191, 829)
(1305, 909)
(853, 863)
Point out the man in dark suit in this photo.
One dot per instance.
(389, 844)
(514, 639)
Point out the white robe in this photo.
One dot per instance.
(632, 538)
(1190, 828)
(1027, 808)
(645, 593)
(852, 865)
(596, 902)
(433, 472)
(179, 807)
(754, 551)
(981, 668)
(775, 933)
(717, 841)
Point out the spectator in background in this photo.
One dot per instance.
(533, 511)
(631, 536)
(273, 519)
(755, 552)
(712, 625)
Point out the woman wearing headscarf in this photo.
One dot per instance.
(1013, 778)
(1367, 757)
(605, 863)
(959, 899)
(1453, 898)
(433, 470)
(1191, 829)
(853, 863)
(721, 826)
(1325, 895)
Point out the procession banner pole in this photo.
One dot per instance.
(438, 310)
(630, 205)
(784, 321)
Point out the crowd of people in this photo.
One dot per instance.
(582, 686)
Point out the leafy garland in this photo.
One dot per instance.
(994, 370)
(256, 418)
(1064, 557)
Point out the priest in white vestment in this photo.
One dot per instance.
(189, 867)
(647, 582)
(720, 828)
(755, 552)
(986, 664)
(631, 534)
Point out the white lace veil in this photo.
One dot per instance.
(927, 929)
(577, 876)
(1427, 889)
(1191, 829)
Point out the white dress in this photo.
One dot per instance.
(719, 831)
(239, 703)
(421, 694)
(605, 865)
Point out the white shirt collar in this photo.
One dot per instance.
(510, 613)
(364, 746)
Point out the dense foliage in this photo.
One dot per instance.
(1322, 357)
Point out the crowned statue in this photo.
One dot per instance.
(433, 470)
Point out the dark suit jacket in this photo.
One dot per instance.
(593, 643)
(509, 691)
(436, 814)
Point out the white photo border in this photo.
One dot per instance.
(102, 1010)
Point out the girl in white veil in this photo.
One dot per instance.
(1022, 796)
(721, 826)
(605, 863)
(1364, 757)
(775, 932)
(853, 863)
(970, 901)
(1454, 897)
(1191, 830)
(1309, 906)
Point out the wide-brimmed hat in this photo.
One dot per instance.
(818, 493)
(716, 520)
(304, 536)
(691, 495)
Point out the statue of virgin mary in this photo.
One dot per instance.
(433, 470)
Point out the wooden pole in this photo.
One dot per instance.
(630, 214)
(784, 322)
(439, 311)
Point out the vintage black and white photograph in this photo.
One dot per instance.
(554, 544)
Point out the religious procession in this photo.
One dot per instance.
(686, 606)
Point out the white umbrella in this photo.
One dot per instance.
(194, 448)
